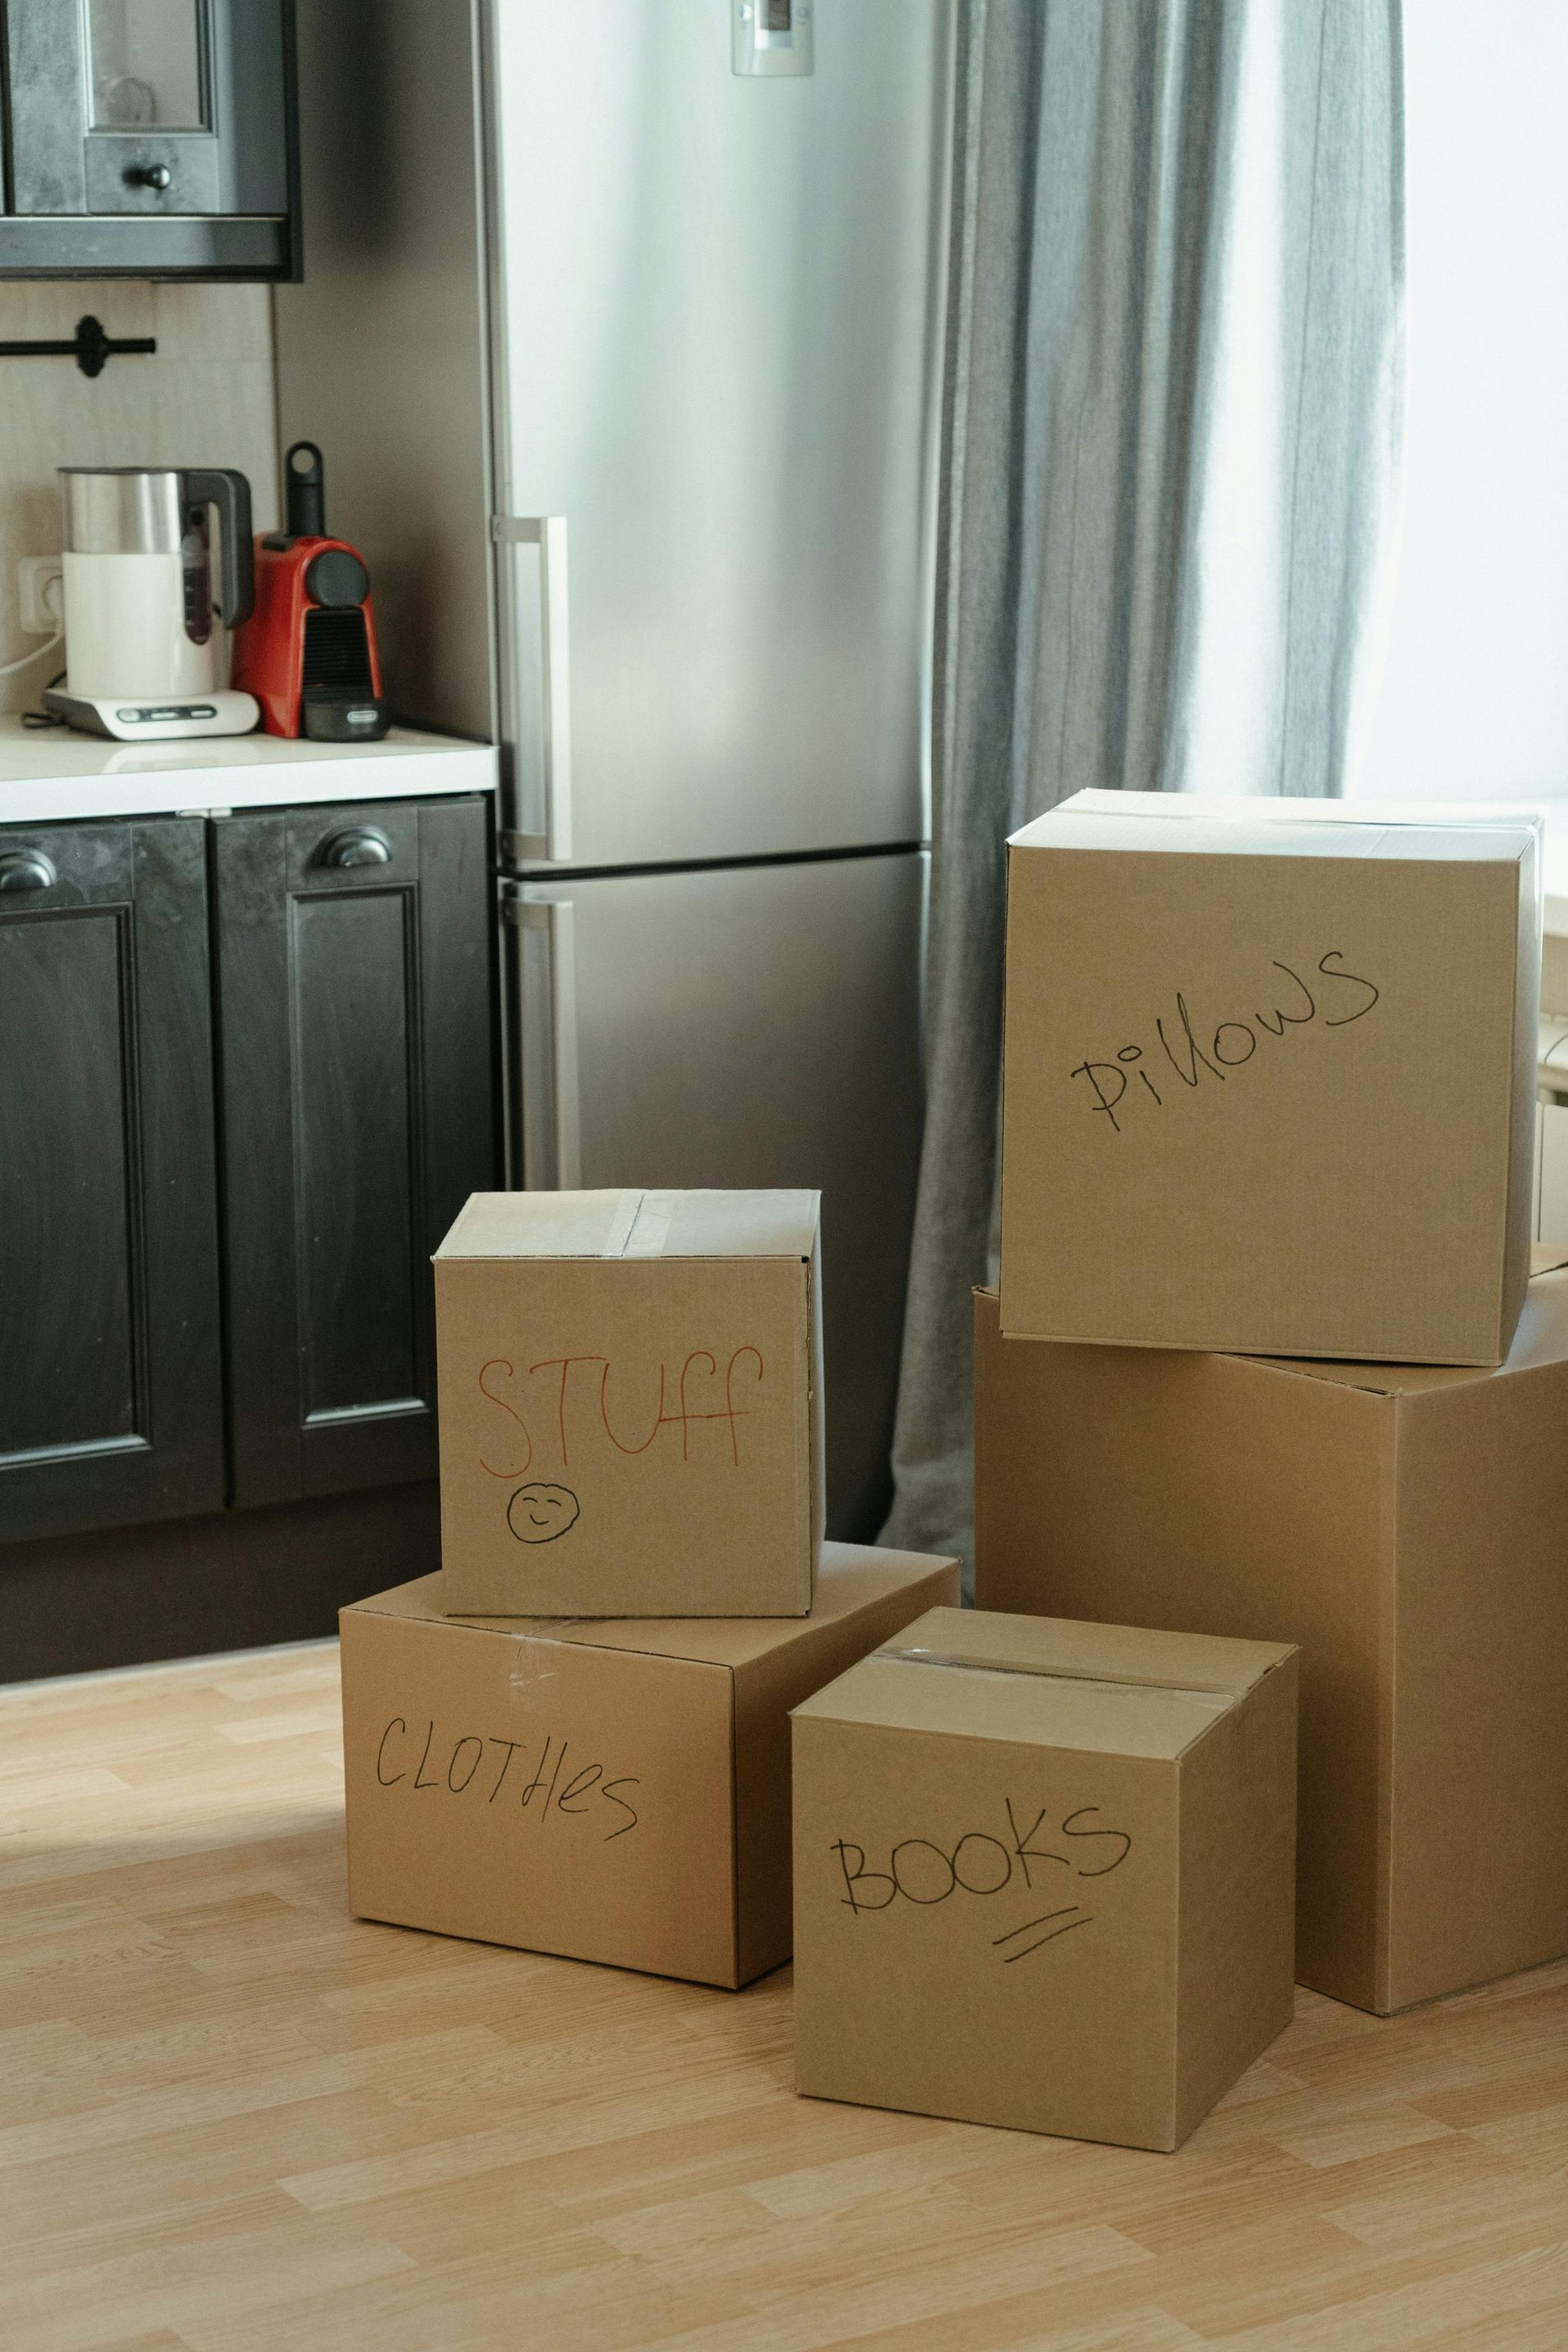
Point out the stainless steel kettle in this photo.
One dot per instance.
(139, 605)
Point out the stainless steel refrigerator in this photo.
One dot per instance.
(620, 331)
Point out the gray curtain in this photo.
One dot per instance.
(1171, 440)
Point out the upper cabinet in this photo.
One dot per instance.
(150, 138)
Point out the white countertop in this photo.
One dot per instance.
(49, 776)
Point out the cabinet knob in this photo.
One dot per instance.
(149, 175)
(27, 869)
(362, 846)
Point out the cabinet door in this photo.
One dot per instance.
(357, 1114)
(110, 1396)
(153, 110)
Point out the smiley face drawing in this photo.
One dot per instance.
(539, 1513)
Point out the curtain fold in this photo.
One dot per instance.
(1171, 440)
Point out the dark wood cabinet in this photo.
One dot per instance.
(355, 1116)
(110, 1392)
(246, 1081)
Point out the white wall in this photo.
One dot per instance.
(1474, 698)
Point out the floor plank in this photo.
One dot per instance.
(232, 2118)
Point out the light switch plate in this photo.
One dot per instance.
(771, 37)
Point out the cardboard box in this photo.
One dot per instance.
(1408, 1529)
(1268, 1075)
(631, 1404)
(612, 1792)
(1044, 1874)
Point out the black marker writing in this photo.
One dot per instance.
(924, 1872)
(512, 1748)
(1069, 1917)
(1337, 956)
(1198, 1050)
(1118, 1837)
(1189, 1076)
(1282, 1018)
(1025, 1853)
(389, 1779)
(610, 1787)
(543, 1793)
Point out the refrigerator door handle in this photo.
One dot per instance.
(551, 1151)
(548, 533)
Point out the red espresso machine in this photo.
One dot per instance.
(308, 651)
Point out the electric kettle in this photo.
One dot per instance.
(139, 609)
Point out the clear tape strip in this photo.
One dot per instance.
(1217, 1693)
(536, 1657)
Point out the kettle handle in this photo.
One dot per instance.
(222, 486)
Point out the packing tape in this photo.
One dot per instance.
(536, 1654)
(915, 1654)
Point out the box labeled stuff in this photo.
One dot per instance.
(1269, 1076)
(614, 1792)
(1405, 1526)
(631, 1404)
(1043, 1873)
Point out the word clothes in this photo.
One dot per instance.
(484, 1763)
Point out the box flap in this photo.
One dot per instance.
(542, 1225)
(849, 1577)
(630, 1223)
(1049, 1682)
(1281, 825)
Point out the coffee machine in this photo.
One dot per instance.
(308, 652)
(139, 616)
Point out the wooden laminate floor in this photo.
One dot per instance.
(236, 2120)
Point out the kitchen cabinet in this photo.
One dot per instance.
(246, 1082)
(355, 986)
(150, 138)
(111, 1400)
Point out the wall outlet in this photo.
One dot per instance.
(40, 587)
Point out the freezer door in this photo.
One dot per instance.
(716, 302)
(750, 1026)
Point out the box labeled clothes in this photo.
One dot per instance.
(610, 1789)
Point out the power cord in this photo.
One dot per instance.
(40, 719)
(9, 669)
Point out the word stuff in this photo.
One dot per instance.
(569, 1413)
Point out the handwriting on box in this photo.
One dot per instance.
(1231, 1042)
(464, 1767)
(1025, 1863)
(559, 1410)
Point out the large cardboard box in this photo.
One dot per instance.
(1408, 1527)
(630, 1391)
(611, 1790)
(1270, 1077)
(1044, 1875)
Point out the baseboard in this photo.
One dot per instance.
(240, 1580)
